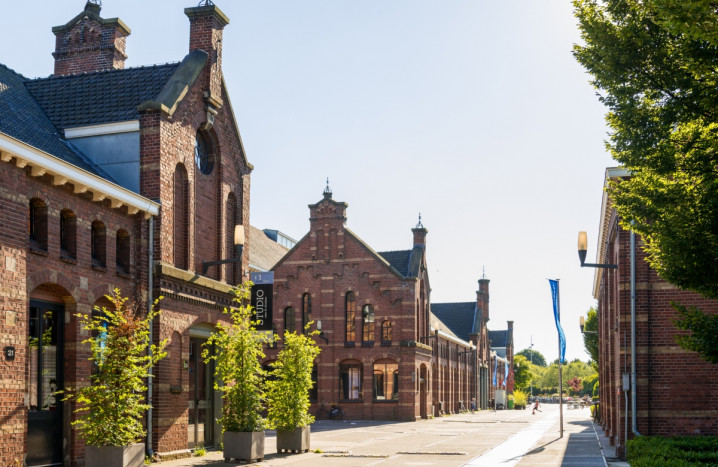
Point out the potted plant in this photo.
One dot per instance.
(110, 408)
(239, 348)
(288, 391)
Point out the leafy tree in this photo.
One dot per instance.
(590, 337)
(110, 409)
(522, 372)
(575, 384)
(538, 358)
(655, 65)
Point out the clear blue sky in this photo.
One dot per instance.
(472, 112)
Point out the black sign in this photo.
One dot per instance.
(262, 291)
(9, 353)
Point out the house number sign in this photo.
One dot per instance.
(9, 353)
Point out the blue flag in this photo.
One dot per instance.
(506, 372)
(557, 317)
(496, 369)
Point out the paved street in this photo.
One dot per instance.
(487, 438)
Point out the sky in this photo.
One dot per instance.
(471, 113)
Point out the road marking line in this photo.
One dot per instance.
(510, 452)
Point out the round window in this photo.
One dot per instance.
(202, 154)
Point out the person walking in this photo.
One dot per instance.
(473, 405)
(536, 407)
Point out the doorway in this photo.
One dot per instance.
(200, 428)
(45, 377)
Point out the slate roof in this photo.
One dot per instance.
(23, 119)
(99, 97)
(498, 338)
(264, 252)
(399, 260)
(458, 317)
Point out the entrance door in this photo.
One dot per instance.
(201, 397)
(45, 360)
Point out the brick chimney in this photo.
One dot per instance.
(419, 233)
(89, 43)
(206, 23)
(482, 297)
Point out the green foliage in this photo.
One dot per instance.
(588, 383)
(200, 451)
(578, 371)
(645, 451)
(520, 398)
(111, 408)
(655, 65)
(590, 339)
(595, 389)
(704, 336)
(522, 372)
(288, 391)
(238, 369)
(537, 359)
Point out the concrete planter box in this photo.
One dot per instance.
(296, 440)
(115, 456)
(246, 446)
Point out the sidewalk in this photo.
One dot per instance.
(487, 438)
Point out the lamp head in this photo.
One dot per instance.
(582, 246)
(239, 234)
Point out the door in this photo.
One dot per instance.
(201, 397)
(45, 361)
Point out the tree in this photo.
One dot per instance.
(655, 65)
(590, 337)
(538, 358)
(522, 372)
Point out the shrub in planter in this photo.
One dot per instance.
(288, 391)
(111, 407)
(239, 348)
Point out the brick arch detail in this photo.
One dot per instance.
(98, 292)
(48, 276)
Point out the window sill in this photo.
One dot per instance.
(367, 344)
(67, 259)
(38, 251)
(99, 267)
(385, 401)
(351, 401)
(124, 274)
(349, 344)
(386, 343)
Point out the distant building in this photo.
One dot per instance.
(384, 355)
(675, 390)
(265, 251)
(502, 353)
(281, 238)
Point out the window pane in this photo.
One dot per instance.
(351, 381)
(350, 318)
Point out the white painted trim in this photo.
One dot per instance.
(455, 340)
(29, 155)
(104, 129)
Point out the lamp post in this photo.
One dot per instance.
(239, 248)
(582, 248)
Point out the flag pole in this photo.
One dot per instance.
(561, 346)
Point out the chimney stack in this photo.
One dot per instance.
(419, 233)
(482, 297)
(205, 33)
(89, 43)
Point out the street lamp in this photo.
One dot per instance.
(238, 245)
(582, 324)
(582, 248)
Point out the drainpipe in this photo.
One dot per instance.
(634, 424)
(150, 285)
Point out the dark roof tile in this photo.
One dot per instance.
(459, 317)
(399, 260)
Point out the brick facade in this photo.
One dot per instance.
(435, 369)
(216, 197)
(673, 386)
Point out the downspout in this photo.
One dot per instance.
(150, 303)
(634, 423)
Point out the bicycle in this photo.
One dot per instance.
(334, 413)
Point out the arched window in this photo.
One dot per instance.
(350, 315)
(367, 314)
(232, 269)
(204, 152)
(350, 372)
(181, 217)
(122, 251)
(68, 234)
(290, 318)
(386, 328)
(314, 391)
(386, 380)
(37, 224)
(306, 309)
(98, 244)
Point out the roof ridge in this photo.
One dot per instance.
(24, 78)
(102, 72)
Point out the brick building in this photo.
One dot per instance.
(384, 354)
(674, 388)
(502, 354)
(114, 177)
